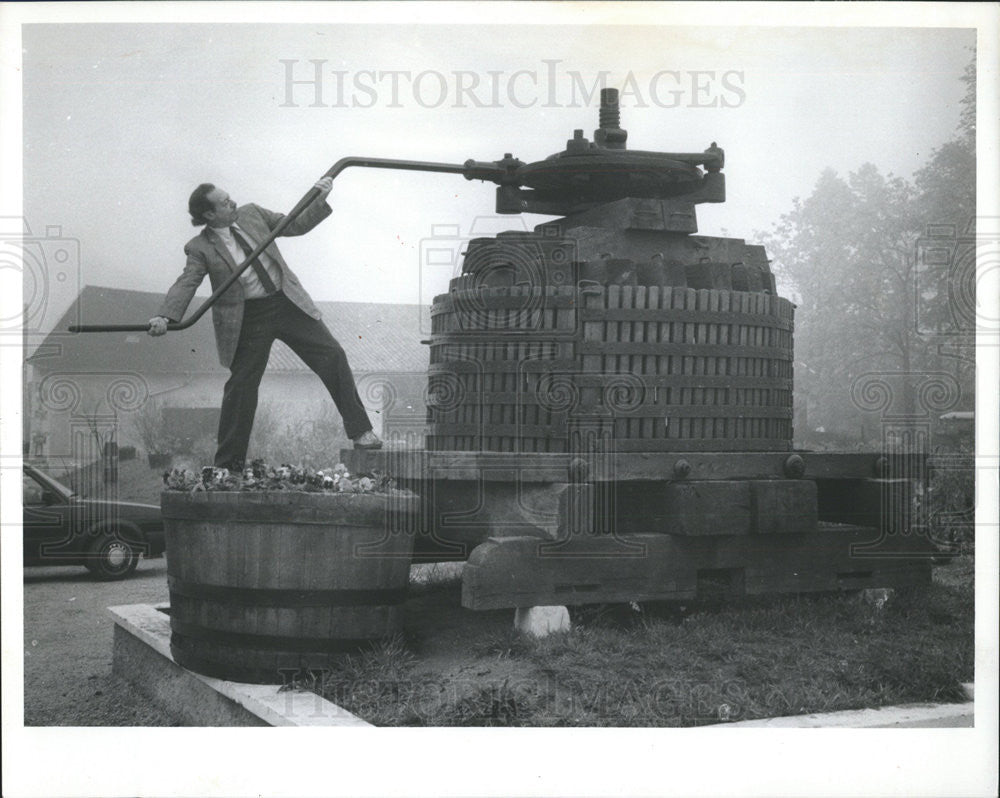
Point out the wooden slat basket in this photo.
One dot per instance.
(658, 368)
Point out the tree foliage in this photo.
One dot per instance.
(862, 258)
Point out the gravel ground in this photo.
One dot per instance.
(68, 638)
(67, 647)
(68, 642)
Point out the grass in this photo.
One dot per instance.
(657, 665)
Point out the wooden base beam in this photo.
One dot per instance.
(526, 572)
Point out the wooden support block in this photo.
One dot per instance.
(881, 503)
(708, 508)
(645, 466)
(741, 278)
(460, 515)
(709, 275)
(653, 272)
(715, 507)
(621, 271)
(518, 572)
(527, 572)
(660, 215)
(675, 275)
(783, 506)
(576, 510)
(885, 504)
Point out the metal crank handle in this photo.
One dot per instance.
(89, 328)
(471, 169)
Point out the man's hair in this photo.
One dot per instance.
(199, 204)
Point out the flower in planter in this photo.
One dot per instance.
(259, 469)
(260, 477)
(324, 480)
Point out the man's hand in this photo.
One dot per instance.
(158, 325)
(325, 186)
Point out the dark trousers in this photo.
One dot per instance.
(265, 320)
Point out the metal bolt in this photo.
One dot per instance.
(795, 466)
(609, 116)
(682, 468)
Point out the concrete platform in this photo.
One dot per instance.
(142, 656)
(906, 716)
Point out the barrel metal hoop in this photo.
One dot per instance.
(471, 301)
(488, 335)
(665, 315)
(483, 401)
(647, 382)
(506, 366)
(284, 597)
(297, 645)
(690, 350)
(490, 428)
(686, 381)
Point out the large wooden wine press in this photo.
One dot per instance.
(610, 405)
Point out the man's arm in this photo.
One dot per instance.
(180, 293)
(312, 215)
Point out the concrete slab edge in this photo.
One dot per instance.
(906, 715)
(268, 705)
(265, 703)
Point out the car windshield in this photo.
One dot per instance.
(31, 491)
(45, 482)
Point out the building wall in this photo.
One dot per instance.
(71, 415)
(75, 413)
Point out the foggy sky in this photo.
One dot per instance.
(122, 121)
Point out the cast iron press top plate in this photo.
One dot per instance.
(611, 173)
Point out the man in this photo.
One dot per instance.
(265, 303)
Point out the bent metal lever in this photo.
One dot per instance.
(473, 170)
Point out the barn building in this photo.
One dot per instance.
(162, 395)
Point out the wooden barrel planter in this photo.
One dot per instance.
(264, 585)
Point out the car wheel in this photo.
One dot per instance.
(111, 557)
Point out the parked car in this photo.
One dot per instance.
(108, 537)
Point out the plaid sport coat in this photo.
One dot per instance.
(207, 254)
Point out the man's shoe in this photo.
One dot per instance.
(368, 440)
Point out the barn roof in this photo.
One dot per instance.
(376, 338)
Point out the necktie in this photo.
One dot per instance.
(258, 267)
